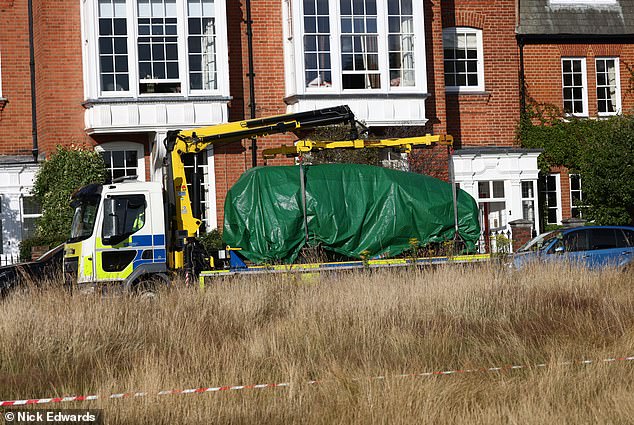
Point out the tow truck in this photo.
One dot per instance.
(139, 234)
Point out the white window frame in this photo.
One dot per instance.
(532, 198)
(297, 33)
(480, 47)
(584, 82)
(581, 207)
(617, 74)
(24, 216)
(558, 194)
(126, 146)
(492, 197)
(92, 75)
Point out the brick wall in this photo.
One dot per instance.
(489, 118)
(59, 76)
(15, 114)
(58, 70)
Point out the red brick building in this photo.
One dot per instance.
(576, 55)
(116, 75)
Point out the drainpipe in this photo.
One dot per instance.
(520, 42)
(251, 75)
(35, 149)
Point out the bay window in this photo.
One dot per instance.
(358, 46)
(158, 47)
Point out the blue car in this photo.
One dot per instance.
(592, 246)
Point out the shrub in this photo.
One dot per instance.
(601, 151)
(65, 171)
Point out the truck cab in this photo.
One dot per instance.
(117, 235)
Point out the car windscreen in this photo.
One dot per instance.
(539, 242)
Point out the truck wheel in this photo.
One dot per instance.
(148, 287)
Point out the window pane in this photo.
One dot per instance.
(120, 27)
(310, 43)
(629, 237)
(603, 239)
(484, 190)
(121, 64)
(552, 216)
(498, 189)
(346, 7)
(30, 205)
(527, 189)
(577, 241)
(406, 7)
(107, 65)
(117, 159)
(105, 27)
(322, 7)
(130, 159)
(122, 82)
(29, 227)
(528, 210)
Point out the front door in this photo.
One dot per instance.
(492, 222)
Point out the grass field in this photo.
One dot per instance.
(338, 330)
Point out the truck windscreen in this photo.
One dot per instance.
(83, 219)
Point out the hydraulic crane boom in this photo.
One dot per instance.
(405, 144)
(179, 142)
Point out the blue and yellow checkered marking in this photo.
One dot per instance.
(144, 242)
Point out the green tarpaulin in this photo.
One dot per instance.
(350, 209)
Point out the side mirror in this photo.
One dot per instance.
(110, 232)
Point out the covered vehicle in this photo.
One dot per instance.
(352, 210)
(591, 246)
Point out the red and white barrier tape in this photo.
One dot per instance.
(286, 384)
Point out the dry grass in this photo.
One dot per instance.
(336, 329)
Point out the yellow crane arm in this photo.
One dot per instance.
(180, 142)
(405, 144)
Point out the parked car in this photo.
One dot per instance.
(36, 271)
(592, 246)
